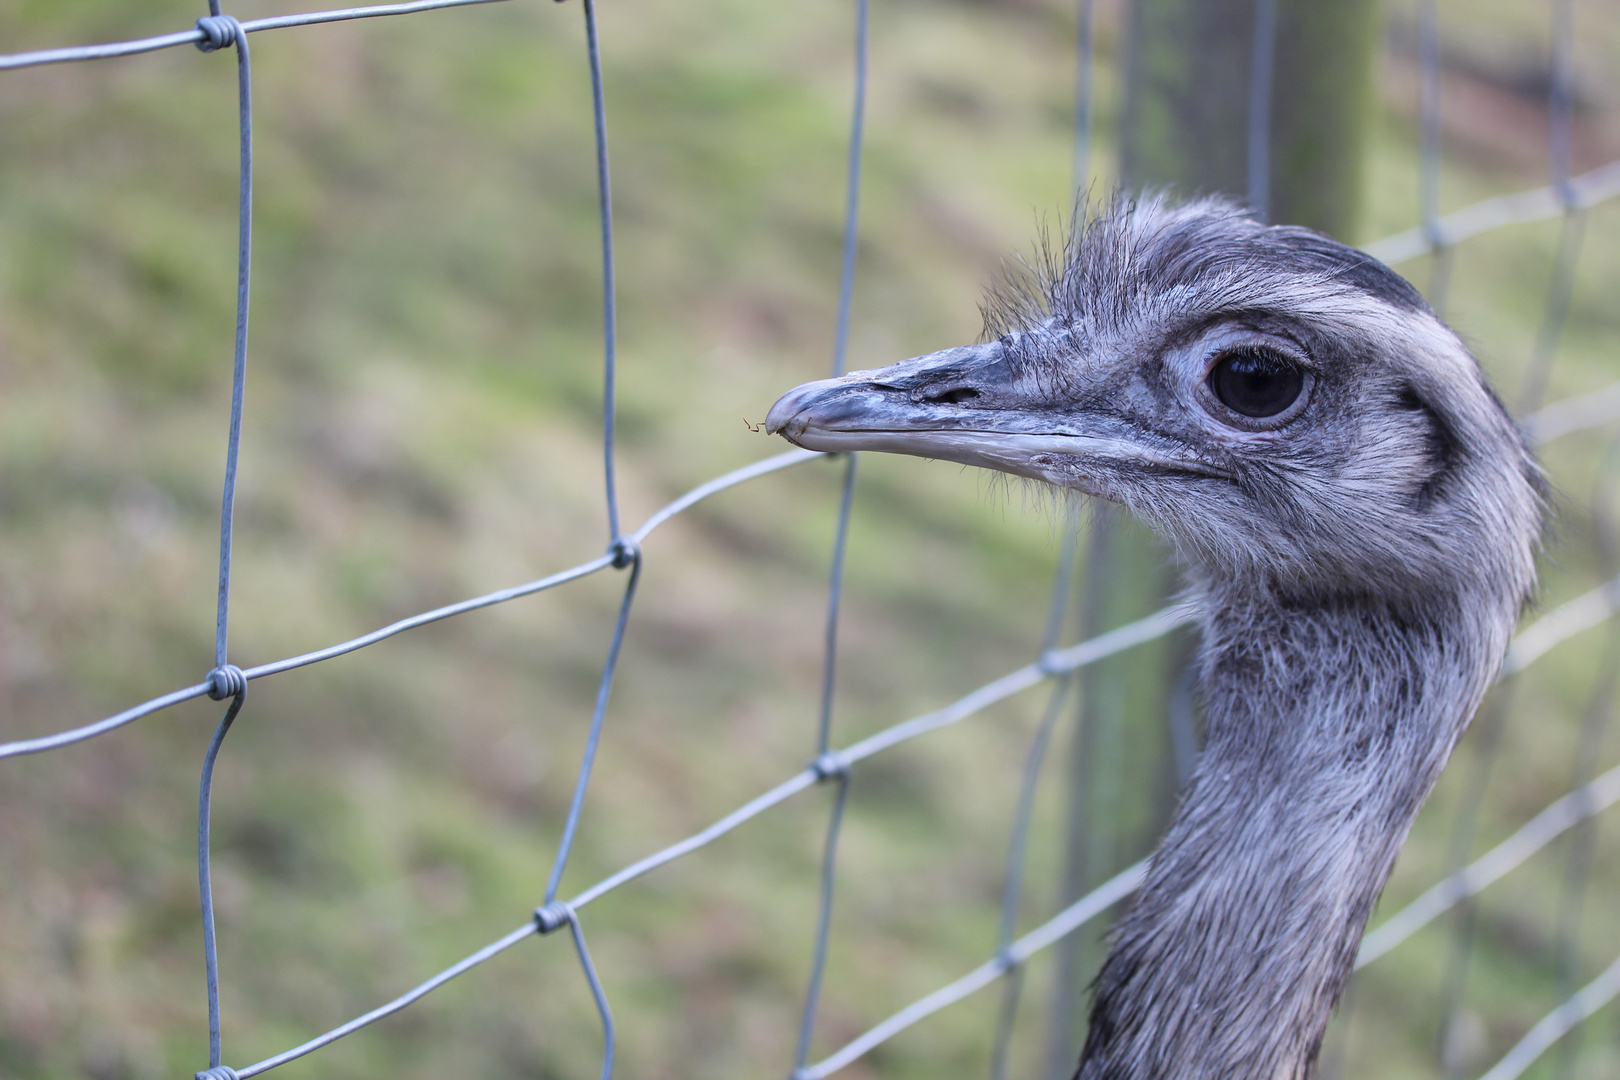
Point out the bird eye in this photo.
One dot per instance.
(1256, 382)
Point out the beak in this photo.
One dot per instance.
(969, 405)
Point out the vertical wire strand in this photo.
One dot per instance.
(1184, 748)
(1081, 828)
(625, 553)
(610, 319)
(1560, 151)
(1007, 1019)
(1105, 843)
(609, 1036)
(1561, 106)
(846, 293)
(1429, 111)
(835, 586)
(1578, 866)
(1024, 812)
(1588, 751)
(1333, 1062)
(244, 263)
(852, 188)
(1057, 611)
(1060, 1026)
(603, 690)
(1013, 884)
(205, 878)
(1554, 312)
(227, 513)
(1492, 723)
(835, 600)
(1429, 176)
(1084, 97)
(818, 962)
(1261, 65)
(1577, 877)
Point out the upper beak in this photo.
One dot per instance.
(967, 405)
(942, 391)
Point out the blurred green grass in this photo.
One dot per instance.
(422, 417)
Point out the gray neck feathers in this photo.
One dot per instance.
(1327, 724)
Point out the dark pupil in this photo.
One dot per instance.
(1255, 382)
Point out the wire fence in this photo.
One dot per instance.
(1567, 196)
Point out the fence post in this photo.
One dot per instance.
(1192, 106)
(1189, 91)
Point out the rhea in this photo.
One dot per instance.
(1357, 516)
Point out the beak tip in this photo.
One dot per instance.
(778, 417)
(790, 407)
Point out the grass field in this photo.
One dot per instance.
(422, 425)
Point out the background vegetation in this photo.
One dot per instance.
(422, 425)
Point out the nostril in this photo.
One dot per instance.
(954, 396)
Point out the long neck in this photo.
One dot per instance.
(1327, 727)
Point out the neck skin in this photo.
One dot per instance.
(1327, 727)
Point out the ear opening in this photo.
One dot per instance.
(1441, 443)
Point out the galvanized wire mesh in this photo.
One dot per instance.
(1567, 196)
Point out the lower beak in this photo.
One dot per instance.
(940, 406)
(969, 406)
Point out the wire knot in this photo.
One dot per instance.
(1568, 198)
(226, 681)
(549, 917)
(1007, 960)
(218, 32)
(625, 551)
(1049, 664)
(1436, 236)
(830, 766)
(218, 1072)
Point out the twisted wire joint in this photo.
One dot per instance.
(226, 681)
(553, 916)
(830, 766)
(1436, 236)
(219, 32)
(625, 550)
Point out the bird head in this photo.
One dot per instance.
(1285, 409)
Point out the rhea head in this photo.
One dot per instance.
(1286, 409)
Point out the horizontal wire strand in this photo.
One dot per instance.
(1520, 208)
(1558, 1023)
(1579, 805)
(601, 562)
(249, 26)
(1056, 663)
(1554, 421)
(1562, 418)
(1583, 613)
(415, 994)
(1060, 662)
(1079, 656)
(1053, 930)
